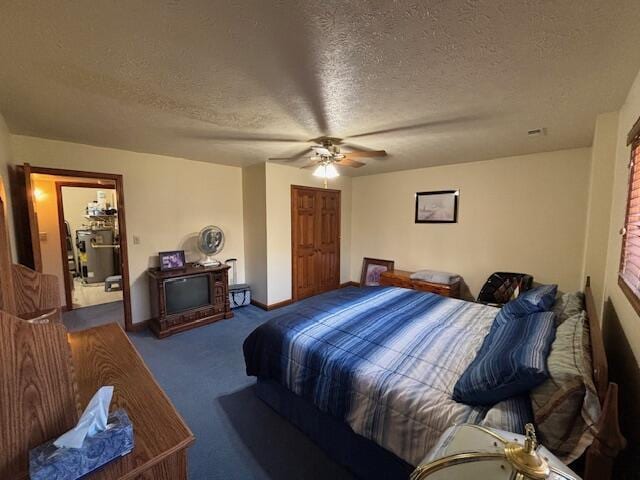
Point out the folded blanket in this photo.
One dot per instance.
(433, 276)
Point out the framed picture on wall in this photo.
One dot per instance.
(372, 268)
(437, 207)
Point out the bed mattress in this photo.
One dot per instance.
(384, 361)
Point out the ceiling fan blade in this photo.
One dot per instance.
(232, 137)
(297, 156)
(355, 146)
(444, 122)
(310, 165)
(254, 139)
(347, 162)
(363, 154)
(321, 150)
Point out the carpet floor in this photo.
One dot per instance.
(202, 371)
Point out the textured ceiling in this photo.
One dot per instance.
(200, 78)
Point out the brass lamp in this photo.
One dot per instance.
(475, 452)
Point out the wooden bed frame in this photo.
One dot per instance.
(608, 442)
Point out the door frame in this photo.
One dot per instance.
(294, 295)
(33, 219)
(122, 227)
(7, 294)
(63, 233)
(27, 241)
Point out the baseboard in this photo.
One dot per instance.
(259, 304)
(273, 306)
(139, 326)
(284, 303)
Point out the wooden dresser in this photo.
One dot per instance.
(48, 376)
(105, 356)
(402, 278)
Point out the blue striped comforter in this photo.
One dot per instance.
(383, 360)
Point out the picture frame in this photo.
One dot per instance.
(172, 260)
(371, 270)
(439, 206)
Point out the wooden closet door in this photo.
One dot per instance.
(303, 229)
(315, 241)
(328, 240)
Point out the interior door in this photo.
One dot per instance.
(303, 228)
(26, 218)
(327, 240)
(315, 241)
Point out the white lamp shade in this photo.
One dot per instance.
(326, 171)
(473, 452)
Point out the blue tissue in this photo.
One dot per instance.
(48, 462)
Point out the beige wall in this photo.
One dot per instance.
(627, 316)
(279, 179)
(255, 230)
(523, 214)
(610, 176)
(5, 161)
(168, 200)
(48, 228)
(603, 156)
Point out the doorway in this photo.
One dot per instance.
(315, 241)
(78, 232)
(89, 243)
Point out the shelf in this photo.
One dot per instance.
(100, 216)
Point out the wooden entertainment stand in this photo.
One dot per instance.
(164, 324)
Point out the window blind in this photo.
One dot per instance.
(630, 256)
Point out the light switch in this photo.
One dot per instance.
(43, 236)
(136, 240)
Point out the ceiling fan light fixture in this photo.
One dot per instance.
(331, 171)
(326, 171)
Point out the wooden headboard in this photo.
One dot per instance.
(599, 356)
(608, 442)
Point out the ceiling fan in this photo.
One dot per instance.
(327, 153)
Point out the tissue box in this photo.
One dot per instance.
(51, 463)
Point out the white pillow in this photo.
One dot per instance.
(567, 305)
(434, 276)
(566, 406)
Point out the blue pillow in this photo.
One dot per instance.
(539, 299)
(511, 361)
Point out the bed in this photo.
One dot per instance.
(369, 374)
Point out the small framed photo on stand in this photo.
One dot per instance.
(172, 260)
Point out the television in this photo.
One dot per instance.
(186, 293)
